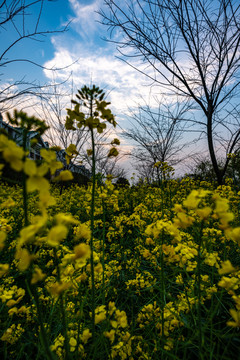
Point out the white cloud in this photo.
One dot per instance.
(120, 81)
(85, 20)
(97, 64)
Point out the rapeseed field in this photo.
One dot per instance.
(107, 272)
(166, 265)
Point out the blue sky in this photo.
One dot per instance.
(82, 44)
(94, 60)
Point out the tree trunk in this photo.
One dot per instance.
(218, 172)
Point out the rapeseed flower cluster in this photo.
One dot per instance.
(165, 263)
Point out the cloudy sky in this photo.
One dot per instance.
(94, 59)
(80, 51)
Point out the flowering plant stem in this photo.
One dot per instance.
(43, 336)
(103, 251)
(162, 286)
(92, 227)
(199, 260)
(24, 184)
(64, 322)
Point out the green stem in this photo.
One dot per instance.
(25, 200)
(200, 334)
(162, 287)
(64, 322)
(92, 228)
(43, 336)
(103, 250)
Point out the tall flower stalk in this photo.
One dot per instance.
(95, 115)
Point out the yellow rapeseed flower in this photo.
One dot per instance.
(3, 236)
(64, 175)
(204, 212)
(86, 335)
(65, 219)
(222, 211)
(45, 200)
(236, 317)
(57, 288)
(24, 258)
(11, 152)
(110, 335)
(27, 234)
(229, 283)
(111, 307)
(183, 220)
(226, 268)
(50, 158)
(193, 199)
(37, 276)
(100, 317)
(72, 343)
(56, 234)
(234, 234)
(82, 231)
(3, 269)
(82, 252)
(36, 180)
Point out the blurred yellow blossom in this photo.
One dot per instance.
(50, 158)
(38, 275)
(11, 152)
(24, 257)
(82, 231)
(3, 269)
(226, 268)
(64, 175)
(36, 180)
(57, 288)
(86, 335)
(110, 335)
(236, 317)
(82, 252)
(65, 219)
(72, 343)
(56, 234)
(204, 212)
(3, 236)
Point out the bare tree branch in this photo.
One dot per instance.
(157, 132)
(18, 24)
(193, 50)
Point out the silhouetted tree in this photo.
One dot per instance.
(157, 131)
(192, 49)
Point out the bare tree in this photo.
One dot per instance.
(52, 108)
(17, 25)
(157, 131)
(193, 49)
